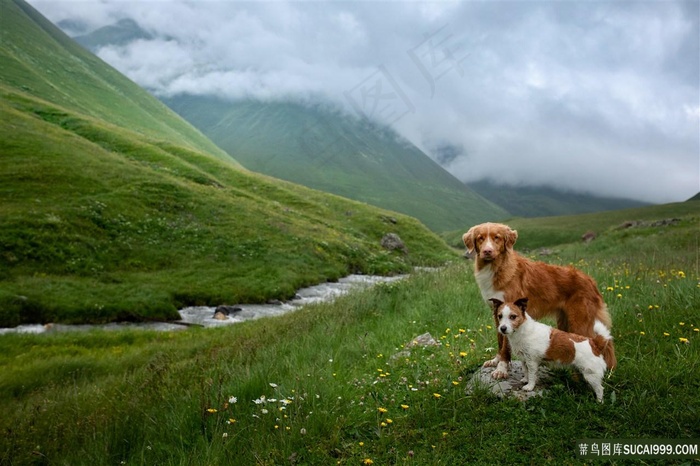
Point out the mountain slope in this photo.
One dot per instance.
(542, 201)
(337, 153)
(40, 60)
(104, 218)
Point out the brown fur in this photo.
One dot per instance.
(565, 293)
(561, 346)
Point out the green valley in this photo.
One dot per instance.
(114, 208)
(334, 152)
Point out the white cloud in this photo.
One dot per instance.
(597, 96)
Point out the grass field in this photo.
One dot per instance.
(324, 385)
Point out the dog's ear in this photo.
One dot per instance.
(522, 304)
(511, 238)
(495, 303)
(468, 239)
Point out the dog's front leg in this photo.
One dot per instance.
(502, 360)
(525, 378)
(531, 370)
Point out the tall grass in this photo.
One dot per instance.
(340, 387)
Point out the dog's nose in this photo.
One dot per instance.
(503, 329)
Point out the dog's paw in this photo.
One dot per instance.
(524, 380)
(529, 387)
(492, 362)
(501, 371)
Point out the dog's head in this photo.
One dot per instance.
(509, 316)
(489, 240)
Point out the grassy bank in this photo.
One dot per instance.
(553, 231)
(325, 385)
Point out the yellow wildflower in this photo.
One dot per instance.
(382, 410)
(404, 406)
(437, 395)
(683, 340)
(368, 461)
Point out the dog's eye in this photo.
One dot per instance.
(500, 316)
(497, 237)
(512, 317)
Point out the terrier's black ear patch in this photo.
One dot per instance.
(496, 303)
(522, 304)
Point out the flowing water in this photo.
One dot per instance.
(203, 316)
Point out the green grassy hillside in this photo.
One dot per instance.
(333, 384)
(110, 212)
(337, 153)
(553, 231)
(526, 201)
(39, 60)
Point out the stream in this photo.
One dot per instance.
(203, 316)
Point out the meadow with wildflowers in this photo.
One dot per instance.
(342, 383)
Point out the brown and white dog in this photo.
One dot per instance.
(535, 342)
(565, 293)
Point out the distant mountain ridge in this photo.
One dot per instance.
(337, 153)
(544, 201)
(124, 31)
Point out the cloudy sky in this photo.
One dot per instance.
(593, 96)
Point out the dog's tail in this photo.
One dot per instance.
(604, 341)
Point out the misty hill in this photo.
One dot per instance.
(115, 208)
(543, 201)
(126, 30)
(695, 198)
(337, 153)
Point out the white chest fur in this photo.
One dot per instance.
(531, 339)
(484, 278)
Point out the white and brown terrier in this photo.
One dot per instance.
(535, 342)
